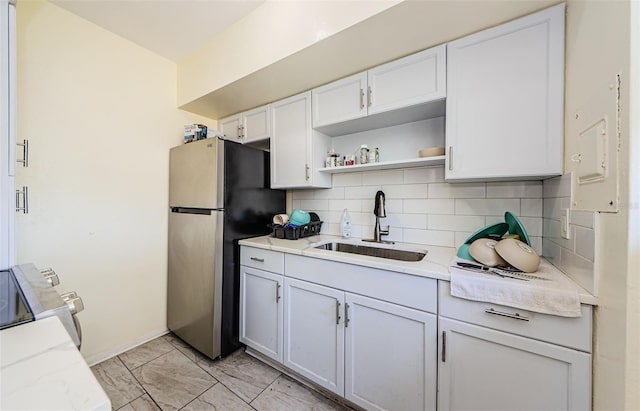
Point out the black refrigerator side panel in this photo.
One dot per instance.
(249, 206)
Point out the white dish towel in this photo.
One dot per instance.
(556, 295)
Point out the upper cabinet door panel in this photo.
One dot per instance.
(256, 124)
(505, 100)
(230, 127)
(340, 101)
(290, 145)
(412, 80)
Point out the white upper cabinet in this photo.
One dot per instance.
(248, 127)
(390, 94)
(340, 101)
(297, 151)
(505, 89)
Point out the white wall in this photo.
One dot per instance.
(598, 47)
(100, 115)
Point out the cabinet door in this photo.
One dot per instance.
(290, 145)
(340, 101)
(505, 100)
(261, 311)
(390, 355)
(314, 333)
(230, 127)
(412, 80)
(484, 369)
(256, 125)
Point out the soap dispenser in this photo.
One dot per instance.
(345, 224)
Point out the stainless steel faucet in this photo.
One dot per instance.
(380, 212)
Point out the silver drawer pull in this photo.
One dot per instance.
(515, 316)
(260, 260)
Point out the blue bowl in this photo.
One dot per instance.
(299, 217)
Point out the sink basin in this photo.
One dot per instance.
(388, 253)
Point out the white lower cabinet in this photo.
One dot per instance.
(314, 333)
(390, 341)
(261, 311)
(494, 357)
(485, 369)
(390, 355)
(377, 355)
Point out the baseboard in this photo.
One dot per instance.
(103, 356)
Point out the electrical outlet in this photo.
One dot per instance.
(565, 231)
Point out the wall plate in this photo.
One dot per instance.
(595, 162)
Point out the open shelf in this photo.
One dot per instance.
(386, 165)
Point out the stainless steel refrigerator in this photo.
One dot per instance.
(218, 193)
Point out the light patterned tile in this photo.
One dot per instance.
(515, 189)
(429, 237)
(330, 193)
(462, 190)
(218, 397)
(375, 178)
(172, 380)
(531, 207)
(487, 207)
(245, 376)
(429, 206)
(347, 179)
(117, 381)
(351, 205)
(190, 352)
(286, 394)
(424, 175)
(144, 403)
(585, 242)
(456, 222)
(361, 193)
(145, 353)
(314, 205)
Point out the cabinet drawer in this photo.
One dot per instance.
(263, 259)
(568, 332)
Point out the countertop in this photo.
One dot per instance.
(434, 265)
(41, 369)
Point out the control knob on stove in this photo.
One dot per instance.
(74, 302)
(50, 276)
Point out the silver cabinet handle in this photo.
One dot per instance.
(25, 200)
(337, 312)
(515, 316)
(450, 158)
(361, 99)
(278, 292)
(346, 315)
(370, 97)
(25, 153)
(306, 172)
(260, 260)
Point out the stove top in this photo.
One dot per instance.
(14, 309)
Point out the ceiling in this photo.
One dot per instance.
(173, 29)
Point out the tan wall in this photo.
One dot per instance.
(273, 31)
(598, 48)
(100, 115)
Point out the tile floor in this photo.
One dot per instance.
(167, 374)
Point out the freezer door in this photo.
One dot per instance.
(194, 174)
(194, 287)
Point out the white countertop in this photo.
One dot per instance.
(434, 265)
(41, 369)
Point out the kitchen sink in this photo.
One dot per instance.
(388, 253)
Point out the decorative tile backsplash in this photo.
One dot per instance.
(574, 256)
(422, 208)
